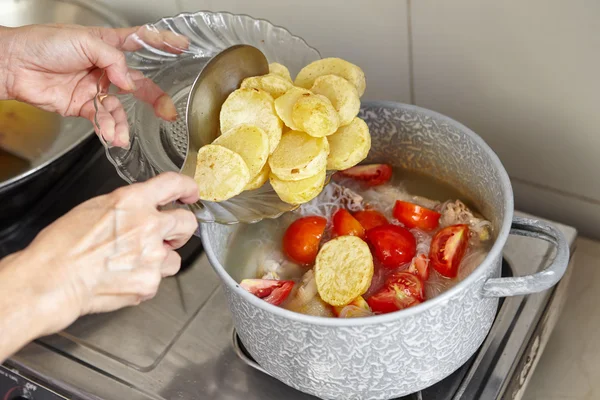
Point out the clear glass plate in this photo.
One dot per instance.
(170, 54)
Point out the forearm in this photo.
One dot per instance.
(20, 317)
(5, 60)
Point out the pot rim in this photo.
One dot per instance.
(494, 252)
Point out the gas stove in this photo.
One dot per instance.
(182, 344)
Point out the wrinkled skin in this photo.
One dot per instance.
(111, 251)
(57, 68)
(107, 253)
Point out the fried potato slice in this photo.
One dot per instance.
(253, 107)
(273, 84)
(299, 156)
(220, 173)
(299, 192)
(284, 105)
(260, 179)
(341, 93)
(315, 115)
(281, 70)
(343, 270)
(349, 145)
(250, 142)
(332, 66)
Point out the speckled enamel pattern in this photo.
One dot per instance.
(392, 355)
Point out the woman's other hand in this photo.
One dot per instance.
(109, 252)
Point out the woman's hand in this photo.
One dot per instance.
(57, 68)
(110, 252)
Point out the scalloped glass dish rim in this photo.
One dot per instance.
(166, 21)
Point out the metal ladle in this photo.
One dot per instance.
(222, 75)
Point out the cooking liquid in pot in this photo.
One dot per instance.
(258, 247)
(26, 132)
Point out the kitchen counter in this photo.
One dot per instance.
(569, 368)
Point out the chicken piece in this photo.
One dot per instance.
(456, 212)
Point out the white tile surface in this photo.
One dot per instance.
(139, 12)
(522, 74)
(569, 368)
(373, 35)
(577, 212)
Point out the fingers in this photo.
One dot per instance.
(108, 303)
(109, 58)
(181, 229)
(134, 38)
(171, 265)
(149, 92)
(166, 188)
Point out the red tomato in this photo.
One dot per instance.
(370, 219)
(372, 175)
(301, 239)
(414, 216)
(402, 290)
(344, 224)
(420, 266)
(392, 245)
(448, 247)
(270, 290)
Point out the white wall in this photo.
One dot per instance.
(523, 75)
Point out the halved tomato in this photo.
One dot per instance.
(344, 224)
(414, 216)
(420, 266)
(392, 245)
(448, 248)
(301, 239)
(270, 290)
(371, 175)
(370, 219)
(402, 290)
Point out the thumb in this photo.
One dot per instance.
(107, 57)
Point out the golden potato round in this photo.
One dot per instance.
(341, 93)
(281, 70)
(250, 142)
(273, 84)
(315, 115)
(299, 156)
(220, 173)
(332, 66)
(349, 145)
(343, 270)
(299, 192)
(260, 179)
(285, 104)
(253, 107)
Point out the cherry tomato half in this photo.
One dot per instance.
(420, 266)
(415, 216)
(371, 175)
(370, 219)
(344, 224)
(270, 290)
(301, 239)
(402, 290)
(448, 248)
(392, 245)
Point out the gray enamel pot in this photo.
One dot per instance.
(392, 355)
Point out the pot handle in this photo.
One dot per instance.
(542, 280)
